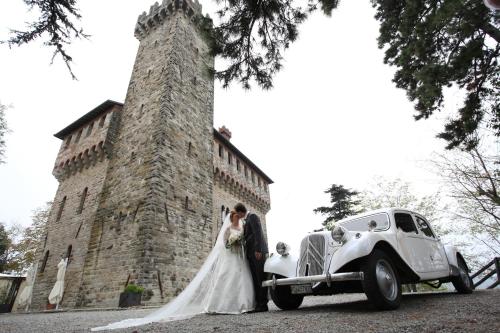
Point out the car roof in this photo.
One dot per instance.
(388, 210)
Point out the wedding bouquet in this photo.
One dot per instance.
(234, 241)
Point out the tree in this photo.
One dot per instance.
(3, 131)
(434, 44)
(473, 180)
(344, 204)
(55, 25)
(385, 193)
(4, 246)
(24, 242)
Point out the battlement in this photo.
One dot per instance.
(159, 13)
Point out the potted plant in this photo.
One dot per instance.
(131, 296)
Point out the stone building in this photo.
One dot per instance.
(144, 185)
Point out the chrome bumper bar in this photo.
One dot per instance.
(328, 278)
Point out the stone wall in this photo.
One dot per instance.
(72, 228)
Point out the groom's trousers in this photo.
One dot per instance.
(257, 269)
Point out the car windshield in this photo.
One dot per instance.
(361, 224)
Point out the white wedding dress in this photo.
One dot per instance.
(222, 285)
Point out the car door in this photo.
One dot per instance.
(437, 255)
(412, 246)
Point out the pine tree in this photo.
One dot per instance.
(344, 204)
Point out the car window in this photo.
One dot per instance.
(361, 224)
(424, 227)
(405, 223)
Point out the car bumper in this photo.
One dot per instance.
(328, 278)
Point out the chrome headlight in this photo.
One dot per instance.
(282, 249)
(339, 234)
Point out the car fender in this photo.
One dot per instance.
(359, 246)
(451, 254)
(281, 265)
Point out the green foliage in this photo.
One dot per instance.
(4, 246)
(56, 22)
(344, 204)
(23, 242)
(435, 44)
(132, 288)
(3, 130)
(252, 36)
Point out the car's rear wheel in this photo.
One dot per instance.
(284, 299)
(462, 282)
(381, 282)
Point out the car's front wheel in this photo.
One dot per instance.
(381, 282)
(462, 282)
(284, 299)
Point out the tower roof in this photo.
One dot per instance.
(86, 118)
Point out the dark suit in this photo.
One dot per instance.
(255, 242)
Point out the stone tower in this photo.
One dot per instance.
(147, 211)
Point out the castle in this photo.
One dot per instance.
(144, 185)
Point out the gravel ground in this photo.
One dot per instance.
(436, 312)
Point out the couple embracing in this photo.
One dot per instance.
(230, 279)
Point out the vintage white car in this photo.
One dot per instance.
(374, 252)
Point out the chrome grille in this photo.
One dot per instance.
(312, 255)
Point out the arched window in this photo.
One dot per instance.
(229, 158)
(223, 213)
(44, 262)
(61, 208)
(68, 254)
(221, 150)
(186, 202)
(82, 200)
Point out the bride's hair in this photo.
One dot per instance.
(231, 215)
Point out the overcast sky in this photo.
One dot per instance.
(334, 115)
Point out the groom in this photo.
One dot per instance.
(256, 251)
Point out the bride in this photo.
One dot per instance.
(222, 285)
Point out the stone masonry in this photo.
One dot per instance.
(144, 185)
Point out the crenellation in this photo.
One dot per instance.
(158, 14)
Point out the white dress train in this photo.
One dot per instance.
(222, 285)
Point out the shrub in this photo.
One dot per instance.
(132, 288)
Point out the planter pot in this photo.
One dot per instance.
(50, 306)
(129, 299)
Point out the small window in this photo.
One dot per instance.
(238, 165)
(89, 131)
(246, 172)
(424, 227)
(82, 200)
(101, 122)
(78, 136)
(253, 178)
(405, 223)
(229, 158)
(68, 254)
(44, 262)
(221, 151)
(61, 208)
(186, 202)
